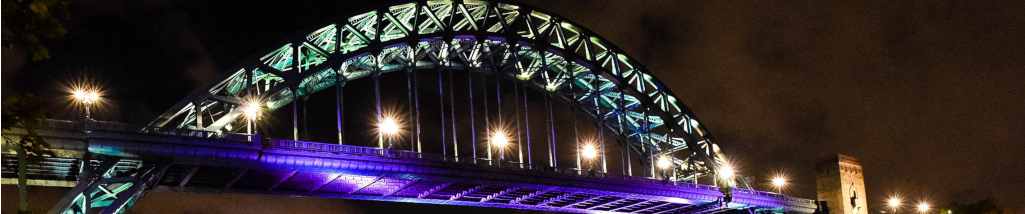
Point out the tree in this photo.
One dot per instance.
(987, 206)
(30, 22)
(26, 112)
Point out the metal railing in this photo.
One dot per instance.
(756, 192)
(113, 127)
(801, 201)
(483, 162)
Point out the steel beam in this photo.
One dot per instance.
(237, 177)
(319, 186)
(279, 182)
(499, 194)
(403, 187)
(118, 192)
(467, 192)
(189, 176)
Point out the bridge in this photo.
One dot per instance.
(609, 105)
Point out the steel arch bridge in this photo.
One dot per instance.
(198, 144)
(536, 48)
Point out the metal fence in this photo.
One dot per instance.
(483, 162)
(113, 127)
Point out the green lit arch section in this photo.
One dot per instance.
(515, 42)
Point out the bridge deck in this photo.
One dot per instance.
(230, 163)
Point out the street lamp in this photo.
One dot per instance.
(665, 164)
(923, 207)
(589, 154)
(500, 140)
(726, 173)
(390, 128)
(779, 182)
(894, 203)
(87, 98)
(252, 112)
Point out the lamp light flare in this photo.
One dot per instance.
(589, 152)
(779, 181)
(499, 140)
(893, 202)
(252, 110)
(664, 162)
(85, 97)
(923, 207)
(726, 171)
(389, 126)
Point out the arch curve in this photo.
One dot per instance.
(516, 42)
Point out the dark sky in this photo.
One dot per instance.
(928, 94)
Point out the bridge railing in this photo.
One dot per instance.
(757, 192)
(483, 162)
(104, 126)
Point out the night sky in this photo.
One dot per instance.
(927, 94)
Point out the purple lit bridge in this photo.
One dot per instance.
(474, 104)
(209, 162)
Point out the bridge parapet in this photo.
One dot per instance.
(481, 162)
(89, 126)
(209, 162)
(747, 198)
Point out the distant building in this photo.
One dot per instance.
(840, 181)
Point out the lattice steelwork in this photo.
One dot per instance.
(111, 187)
(514, 42)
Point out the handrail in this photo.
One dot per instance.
(105, 126)
(428, 157)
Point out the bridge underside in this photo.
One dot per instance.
(284, 167)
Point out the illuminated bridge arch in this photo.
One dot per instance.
(518, 43)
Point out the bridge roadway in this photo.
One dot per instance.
(214, 162)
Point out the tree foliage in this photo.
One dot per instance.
(25, 111)
(30, 22)
(987, 206)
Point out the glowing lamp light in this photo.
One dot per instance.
(779, 181)
(923, 207)
(499, 140)
(726, 171)
(86, 97)
(389, 126)
(589, 152)
(893, 202)
(252, 110)
(664, 162)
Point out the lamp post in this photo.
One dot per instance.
(665, 164)
(779, 182)
(894, 203)
(726, 173)
(87, 98)
(252, 112)
(390, 128)
(589, 153)
(500, 140)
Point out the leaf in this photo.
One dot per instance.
(28, 23)
(25, 111)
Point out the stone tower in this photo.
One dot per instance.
(839, 179)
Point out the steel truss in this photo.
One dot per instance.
(514, 42)
(111, 187)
